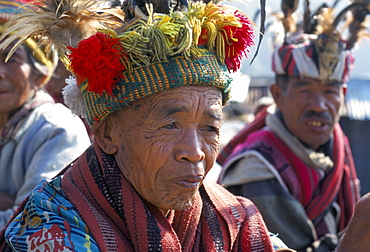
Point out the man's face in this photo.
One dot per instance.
(310, 109)
(15, 81)
(167, 143)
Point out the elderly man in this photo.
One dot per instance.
(294, 161)
(153, 93)
(38, 138)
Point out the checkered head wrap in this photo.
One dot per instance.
(320, 45)
(304, 58)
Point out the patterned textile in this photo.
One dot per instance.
(302, 58)
(258, 123)
(48, 223)
(93, 208)
(301, 180)
(30, 141)
(155, 78)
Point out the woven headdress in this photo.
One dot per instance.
(116, 62)
(316, 47)
(44, 59)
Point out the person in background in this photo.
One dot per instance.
(57, 82)
(55, 88)
(37, 137)
(294, 162)
(153, 93)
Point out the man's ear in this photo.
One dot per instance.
(103, 135)
(276, 91)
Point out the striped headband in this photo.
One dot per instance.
(303, 58)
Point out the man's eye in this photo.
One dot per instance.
(331, 91)
(303, 91)
(211, 129)
(170, 126)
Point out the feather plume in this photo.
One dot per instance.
(318, 17)
(358, 24)
(289, 7)
(61, 23)
(325, 19)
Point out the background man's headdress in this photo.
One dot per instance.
(315, 46)
(116, 62)
(44, 59)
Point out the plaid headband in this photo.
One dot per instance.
(304, 58)
(147, 80)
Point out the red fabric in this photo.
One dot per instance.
(302, 181)
(120, 220)
(242, 136)
(100, 60)
(237, 42)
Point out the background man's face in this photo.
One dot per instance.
(16, 80)
(310, 109)
(167, 143)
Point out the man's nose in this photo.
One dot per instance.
(189, 147)
(318, 103)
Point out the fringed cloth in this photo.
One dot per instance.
(338, 185)
(120, 220)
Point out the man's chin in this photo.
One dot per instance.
(178, 204)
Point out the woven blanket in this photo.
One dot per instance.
(120, 220)
(303, 182)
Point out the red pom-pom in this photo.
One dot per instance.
(98, 59)
(238, 40)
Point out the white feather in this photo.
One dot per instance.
(73, 97)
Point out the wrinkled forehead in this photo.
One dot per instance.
(192, 94)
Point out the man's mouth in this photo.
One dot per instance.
(315, 123)
(190, 182)
(318, 126)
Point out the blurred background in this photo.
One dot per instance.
(250, 88)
